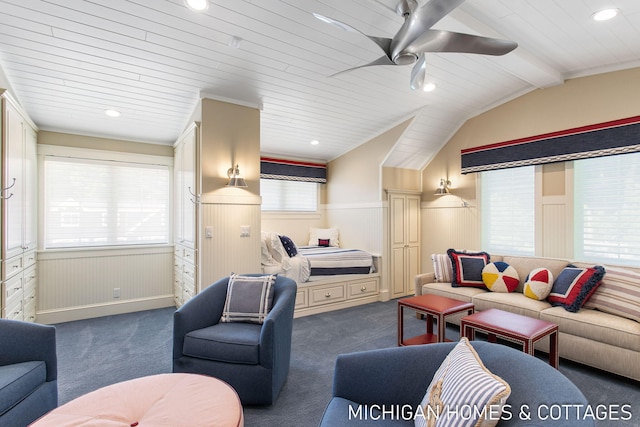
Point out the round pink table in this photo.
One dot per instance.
(158, 400)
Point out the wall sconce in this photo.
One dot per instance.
(235, 180)
(443, 188)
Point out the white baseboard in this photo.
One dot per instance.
(99, 310)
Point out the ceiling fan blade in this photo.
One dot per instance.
(382, 42)
(449, 41)
(418, 21)
(419, 73)
(383, 60)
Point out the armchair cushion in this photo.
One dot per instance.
(19, 380)
(249, 298)
(225, 342)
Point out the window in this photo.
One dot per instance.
(508, 211)
(606, 206)
(280, 195)
(104, 203)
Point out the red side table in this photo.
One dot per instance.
(432, 306)
(512, 327)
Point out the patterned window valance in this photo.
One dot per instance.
(603, 139)
(291, 170)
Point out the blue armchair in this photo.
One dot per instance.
(28, 372)
(398, 377)
(252, 358)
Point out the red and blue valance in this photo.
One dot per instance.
(603, 139)
(291, 170)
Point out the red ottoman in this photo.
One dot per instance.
(158, 400)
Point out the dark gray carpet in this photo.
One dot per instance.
(97, 352)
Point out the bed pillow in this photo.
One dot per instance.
(574, 285)
(289, 246)
(249, 298)
(467, 268)
(324, 233)
(462, 380)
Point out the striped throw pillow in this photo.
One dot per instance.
(462, 381)
(442, 268)
(619, 294)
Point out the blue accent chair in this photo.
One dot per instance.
(28, 372)
(252, 358)
(393, 377)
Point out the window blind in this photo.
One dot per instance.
(278, 195)
(104, 203)
(606, 206)
(507, 210)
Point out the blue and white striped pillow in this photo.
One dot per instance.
(463, 392)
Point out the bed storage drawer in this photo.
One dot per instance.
(327, 295)
(363, 288)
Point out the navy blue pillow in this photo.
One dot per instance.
(289, 246)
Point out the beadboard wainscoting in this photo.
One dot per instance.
(445, 227)
(87, 283)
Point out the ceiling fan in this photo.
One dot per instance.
(416, 38)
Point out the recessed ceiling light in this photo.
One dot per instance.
(315, 142)
(197, 5)
(606, 14)
(112, 113)
(429, 87)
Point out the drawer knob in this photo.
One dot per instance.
(327, 295)
(363, 289)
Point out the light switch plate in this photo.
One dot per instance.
(208, 232)
(245, 230)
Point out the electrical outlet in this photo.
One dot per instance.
(116, 292)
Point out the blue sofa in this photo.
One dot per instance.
(254, 359)
(28, 372)
(394, 377)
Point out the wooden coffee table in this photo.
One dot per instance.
(432, 306)
(512, 327)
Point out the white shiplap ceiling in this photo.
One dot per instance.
(69, 60)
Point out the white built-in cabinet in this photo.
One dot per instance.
(19, 213)
(186, 214)
(404, 241)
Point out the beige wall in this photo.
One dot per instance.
(230, 134)
(355, 177)
(578, 102)
(81, 141)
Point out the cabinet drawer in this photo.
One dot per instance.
(13, 290)
(30, 278)
(29, 312)
(327, 295)
(189, 255)
(29, 259)
(189, 271)
(14, 311)
(177, 251)
(301, 298)
(11, 267)
(29, 296)
(188, 285)
(364, 288)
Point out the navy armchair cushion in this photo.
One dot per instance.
(233, 343)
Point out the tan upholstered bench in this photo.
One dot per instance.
(158, 400)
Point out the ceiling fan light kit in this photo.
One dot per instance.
(415, 38)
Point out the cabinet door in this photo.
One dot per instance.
(190, 189)
(30, 190)
(13, 177)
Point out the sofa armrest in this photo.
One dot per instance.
(422, 279)
(391, 376)
(25, 342)
(275, 335)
